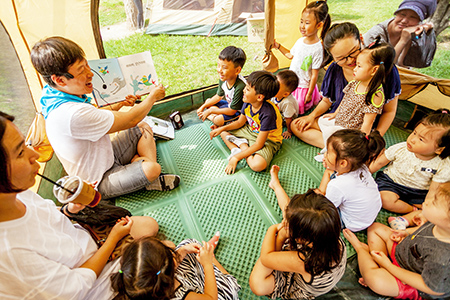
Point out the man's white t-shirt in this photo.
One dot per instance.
(41, 254)
(78, 134)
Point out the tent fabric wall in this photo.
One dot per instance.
(26, 22)
(211, 17)
(285, 26)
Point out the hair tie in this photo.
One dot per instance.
(157, 273)
(445, 112)
(120, 271)
(381, 62)
(367, 137)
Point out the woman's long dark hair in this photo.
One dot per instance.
(147, 271)
(5, 174)
(314, 230)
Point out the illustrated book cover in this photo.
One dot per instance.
(115, 78)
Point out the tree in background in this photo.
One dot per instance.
(441, 17)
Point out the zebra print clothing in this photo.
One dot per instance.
(191, 276)
(289, 285)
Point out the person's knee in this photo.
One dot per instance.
(143, 226)
(256, 285)
(257, 164)
(377, 229)
(151, 170)
(218, 120)
(376, 284)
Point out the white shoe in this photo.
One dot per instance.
(164, 182)
(234, 151)
(235, 140)
(319, 157)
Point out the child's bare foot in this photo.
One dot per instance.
(362, 282)
(214, 240)
(274, 180)
(353, 239)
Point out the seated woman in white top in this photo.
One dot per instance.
(43, 255)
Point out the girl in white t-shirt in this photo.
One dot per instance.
(347, 181)
(307, 53)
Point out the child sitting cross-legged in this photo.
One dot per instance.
(226, 105)
(152, 269)
(411, 264)
(302, 257)
(257, 134)
(285, 101)
(417, 166)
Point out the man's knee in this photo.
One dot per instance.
(151, 170)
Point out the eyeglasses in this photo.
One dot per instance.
(352, 55)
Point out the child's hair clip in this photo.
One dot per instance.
(374, 43)
(445, 111)
(159, 272)
(381, 62)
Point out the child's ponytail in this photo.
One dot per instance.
(381, 55)
(320, 11)
(356, 147)
(147, 271)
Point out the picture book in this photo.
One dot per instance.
(115, 78)
(161, 128)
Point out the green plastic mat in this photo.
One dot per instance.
(241, 206)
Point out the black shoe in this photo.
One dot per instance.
(164, 182)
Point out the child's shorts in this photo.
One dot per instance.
(227, 118)
(406, 194)
(404, 291)
(269, 149)
(300, 95)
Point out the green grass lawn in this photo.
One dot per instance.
(188, 62)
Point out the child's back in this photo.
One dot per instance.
(357, 196)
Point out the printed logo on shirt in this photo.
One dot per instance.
(255, 127)
(429, 170)
(307, 62)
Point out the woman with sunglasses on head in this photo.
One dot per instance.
(343, 44)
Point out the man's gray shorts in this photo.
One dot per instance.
(124, 177)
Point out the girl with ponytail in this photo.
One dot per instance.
(152, 270)
(347, 181)
(307, 53)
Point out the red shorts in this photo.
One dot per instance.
(404, 291)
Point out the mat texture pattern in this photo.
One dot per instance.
(241, 206)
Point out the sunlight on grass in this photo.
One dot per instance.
(111, 12)
(192, 60)
(189, 62)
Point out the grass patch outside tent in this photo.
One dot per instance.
(189, 62)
